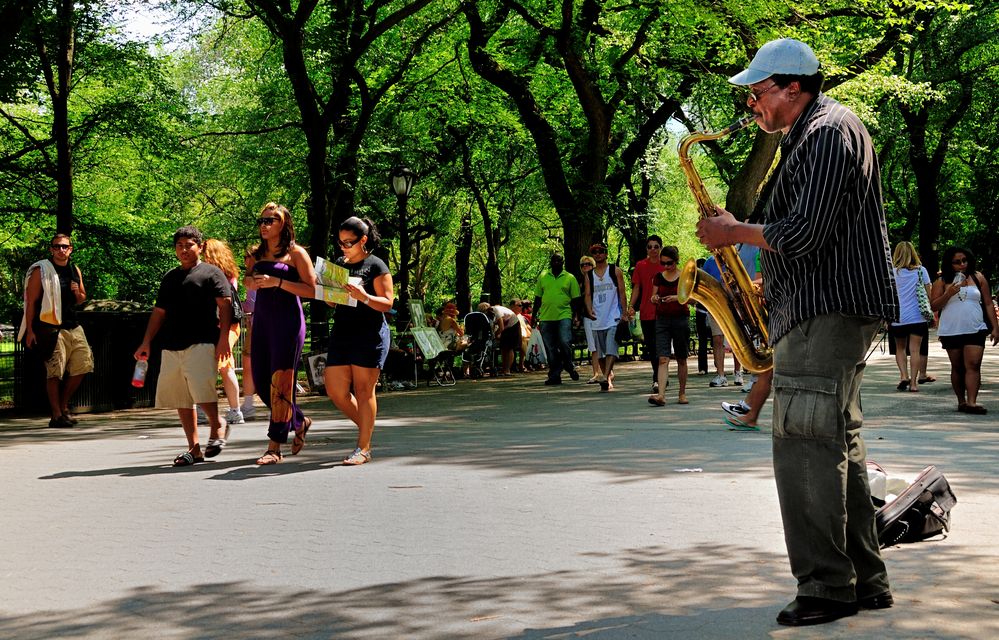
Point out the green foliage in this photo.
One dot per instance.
(207, 130)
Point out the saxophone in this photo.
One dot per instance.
(734, 303)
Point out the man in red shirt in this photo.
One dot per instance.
(641, 293)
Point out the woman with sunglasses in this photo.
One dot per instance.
(964, 300)
(360, 340)
(672, 326)
(280, 271)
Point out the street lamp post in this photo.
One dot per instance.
(402, 182)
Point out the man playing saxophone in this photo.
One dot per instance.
(828, 284)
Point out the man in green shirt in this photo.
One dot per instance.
(554, 296)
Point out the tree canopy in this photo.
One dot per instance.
(533, 126)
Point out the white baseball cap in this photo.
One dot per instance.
(785, 56)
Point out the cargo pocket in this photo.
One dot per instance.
(807, 407)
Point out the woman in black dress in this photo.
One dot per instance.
(360, 339)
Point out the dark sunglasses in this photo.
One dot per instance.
(668, 263)
(599, 251)
(347, 244)
(62, 247)
(961, 261)
(755, 97)
(652, 246)
(268, 221)
(584, 264)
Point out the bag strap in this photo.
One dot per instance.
(988, 315)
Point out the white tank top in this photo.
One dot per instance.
(963, 313)
(606, 304)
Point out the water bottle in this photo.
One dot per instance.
(139, 376)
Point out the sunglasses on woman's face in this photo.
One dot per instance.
(667, 263)
(267, 221)
(347, 244)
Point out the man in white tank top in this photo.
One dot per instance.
(604, 296)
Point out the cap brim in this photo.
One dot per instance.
(749, 76)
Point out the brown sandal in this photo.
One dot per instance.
(269, 457)
(299, 440)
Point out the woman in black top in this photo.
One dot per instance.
(360, 340)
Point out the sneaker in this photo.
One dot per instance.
(249, 411)
(234, 416)
(574, 374)
(719, 381)
(202, 416)
(62, 422)
(655, 388)
(738, 377)
(737, 409)
(748, 386)
(552, 381)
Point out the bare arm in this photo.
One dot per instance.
(626, 312)
(222, 348)
(384, 293)
(588, 298)
(306, 288)
(152, 328)
(989, 310)
(941, 292)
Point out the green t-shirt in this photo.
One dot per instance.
(556, 292)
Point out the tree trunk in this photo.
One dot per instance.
(462, 260)
(744, 189)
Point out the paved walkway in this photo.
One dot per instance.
(493, 509)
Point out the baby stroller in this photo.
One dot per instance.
(479, 354)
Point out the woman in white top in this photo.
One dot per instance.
(962, 295)
(911, 327)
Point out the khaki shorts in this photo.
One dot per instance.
(187, 377)
(714, 326)
(72, 355)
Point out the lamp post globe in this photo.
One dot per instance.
(401, 180)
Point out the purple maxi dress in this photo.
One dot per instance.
(276, 344)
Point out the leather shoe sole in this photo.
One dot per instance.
(806, 610)
(880, 601)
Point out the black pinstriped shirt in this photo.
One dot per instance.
(825, 224)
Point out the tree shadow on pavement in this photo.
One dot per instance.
(718, 592)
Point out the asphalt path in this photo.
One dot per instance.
(492, 509)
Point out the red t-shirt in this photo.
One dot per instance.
(666, 288)
(641, 281)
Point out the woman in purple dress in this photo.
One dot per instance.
(280, 271)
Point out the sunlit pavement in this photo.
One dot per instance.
(492, 509)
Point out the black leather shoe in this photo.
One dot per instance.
(880, 601)
(806, 610)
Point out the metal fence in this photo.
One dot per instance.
(22, 375)
(8, 335)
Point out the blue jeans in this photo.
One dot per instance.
(557, 335)
(820, 458)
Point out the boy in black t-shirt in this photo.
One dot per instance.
(192, 316)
